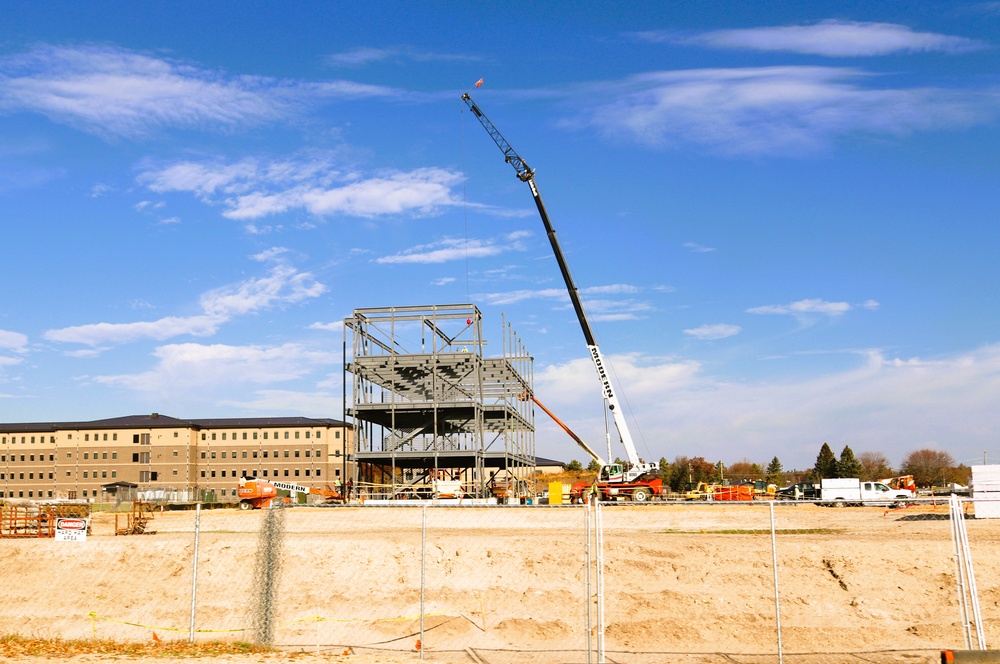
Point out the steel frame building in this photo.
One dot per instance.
(429, 404)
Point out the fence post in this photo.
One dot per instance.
(777, 595)
(589, 593)
(194, 569)
(423, 558)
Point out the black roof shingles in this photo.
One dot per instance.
(157, 421)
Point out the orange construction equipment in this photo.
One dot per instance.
(256, 493)
(901, 482)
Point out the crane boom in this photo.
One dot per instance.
(527, 174)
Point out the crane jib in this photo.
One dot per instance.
(525, 174)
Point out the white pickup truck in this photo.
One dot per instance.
(852, 491)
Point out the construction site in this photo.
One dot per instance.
(435, 415)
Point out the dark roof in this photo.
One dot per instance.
(157, 421)
(541, 461)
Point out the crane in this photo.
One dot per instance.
(613, 472)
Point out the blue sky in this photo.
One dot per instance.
(781, 216)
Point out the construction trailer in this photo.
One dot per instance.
(435, 417)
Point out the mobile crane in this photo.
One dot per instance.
(614, 480)
(256, 493)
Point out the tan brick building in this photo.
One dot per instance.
(167, 458)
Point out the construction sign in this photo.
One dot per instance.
(71, 530)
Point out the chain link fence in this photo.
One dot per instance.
(747, 582)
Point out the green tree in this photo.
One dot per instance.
(594, 466)
(826, 463)
(574, 466)
(773, 473)
(848, 466)
(664, 468)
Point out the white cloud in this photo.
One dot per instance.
(365, 55)
(698, 248)
(96, 334)
(185, 367)
(335, 326)
(253, 188)
(312, 403)
(283, 285)
(834, 38)
(808, 306)
(448, 249)
(14, 341)
(774, 110)
(710, 332)
(890, 404)
(116, 92)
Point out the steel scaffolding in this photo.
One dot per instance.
(432, 411)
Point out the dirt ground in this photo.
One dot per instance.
(682, 582)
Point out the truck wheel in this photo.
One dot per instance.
(641, 495)
(245, 505)
(840, 503)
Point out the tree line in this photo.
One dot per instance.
(928, 468)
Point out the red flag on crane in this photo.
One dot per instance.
(479, 83)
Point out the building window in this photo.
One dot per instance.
(86, 455)
(296, 472)
(265, 454)
(286, 472)
(175, 434)
(223, 473)
(175, 472)
(255, 454)
(104, 455)
(114, 455)
(307, 434)
(213, 454)
(286, 435)
(223, 454)
(202, 455)
(255, 435)
(105, 436)
(203, 473)
(336, 434)
(213, 435)
(286, 453)
(114, 474)
(213, 473)
(265, 473)
(175, 452)
(223, 435)
(114, 436)
(203, 436)
(296, 435)
(265, 435)
(244, 435)
(104, 474)
(85, 474)
(244, 454)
